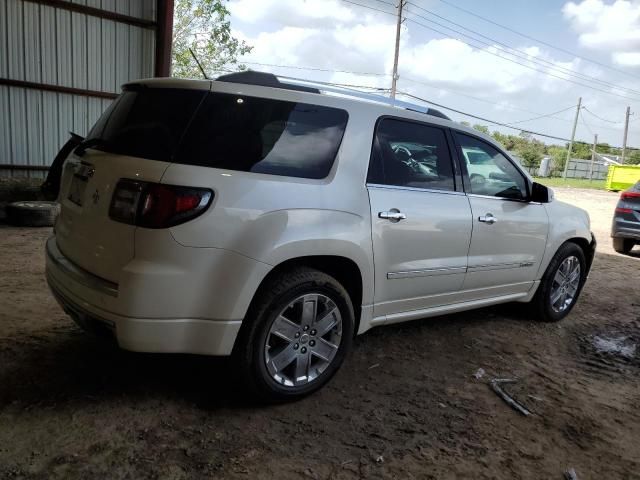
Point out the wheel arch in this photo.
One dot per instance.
(345, 270)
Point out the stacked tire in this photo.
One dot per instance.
(32, 213)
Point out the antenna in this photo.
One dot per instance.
(199, 65)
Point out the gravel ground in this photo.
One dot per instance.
(404, 405)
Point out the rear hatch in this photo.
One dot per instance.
(135, 138)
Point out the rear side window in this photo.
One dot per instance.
(409, 154)
(146, 122)
(261, 135)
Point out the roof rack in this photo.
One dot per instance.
(291, 83)
(350, 92)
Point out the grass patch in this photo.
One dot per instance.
(571, 183)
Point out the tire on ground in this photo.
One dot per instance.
(622, 245)
(541, 301)
(31, 213)
(272, 297)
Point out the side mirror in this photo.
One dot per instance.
(540, 193)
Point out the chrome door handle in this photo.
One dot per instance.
(488, 218)
(394, 215)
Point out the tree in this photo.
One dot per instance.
(633, 157)
(203, 26)
(481, 128)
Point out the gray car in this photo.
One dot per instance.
(625, 229)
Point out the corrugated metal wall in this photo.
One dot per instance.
(43, 44)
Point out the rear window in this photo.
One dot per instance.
(261, 135)
(146, 122)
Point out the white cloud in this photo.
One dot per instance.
(303, 13)
(332, 35)
(613, 28)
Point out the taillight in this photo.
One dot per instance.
(627, 195)
(154, 205)
(623, 210)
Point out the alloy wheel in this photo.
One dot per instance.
(565, 284)
(303, 340)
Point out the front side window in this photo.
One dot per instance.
(409, 154)
(263, 135)
(490, 172)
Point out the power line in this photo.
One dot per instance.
(484, 119)
(538, 61)
(446, 35)
(584, 122)
(484, 100)
(317, 69)
(543, 116)
(490, 102)
(538, 40)
(599, 117)
(493, 53)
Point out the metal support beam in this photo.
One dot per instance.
(97, 12)
(57, 88)
(164, 38)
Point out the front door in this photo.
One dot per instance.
(509, 233)
(421, 224)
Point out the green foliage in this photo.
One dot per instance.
(633, 157)
(202, 25)
(481, 128)
(558, 158)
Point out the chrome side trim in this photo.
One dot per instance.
(429, 272)
(78, 274)
(499, 266)
(491, 197)
(413, 189)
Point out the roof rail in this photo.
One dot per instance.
(350, 92)
(290, 83)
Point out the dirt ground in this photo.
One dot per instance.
(404, 405)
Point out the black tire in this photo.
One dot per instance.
(622, 245)
(273, 297)
(32, 213)
(542, 300)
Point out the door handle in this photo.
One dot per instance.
(394, 215)
(488, 218)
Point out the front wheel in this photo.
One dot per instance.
(296, 335)
(561, 284)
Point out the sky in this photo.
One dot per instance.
(480, 68)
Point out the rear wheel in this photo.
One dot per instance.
(622, 245)
(561, 284)
(296, 335)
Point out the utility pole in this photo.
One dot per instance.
(394, 82)
(626, 130)
(593, 156)
(573, 136)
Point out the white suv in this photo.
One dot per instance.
(275, 219)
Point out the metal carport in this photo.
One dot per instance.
(62, 62)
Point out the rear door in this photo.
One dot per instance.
(509, 232)
(421, 225)
(135, 138)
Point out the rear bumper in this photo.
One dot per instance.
(96, 304)
(625, 228)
